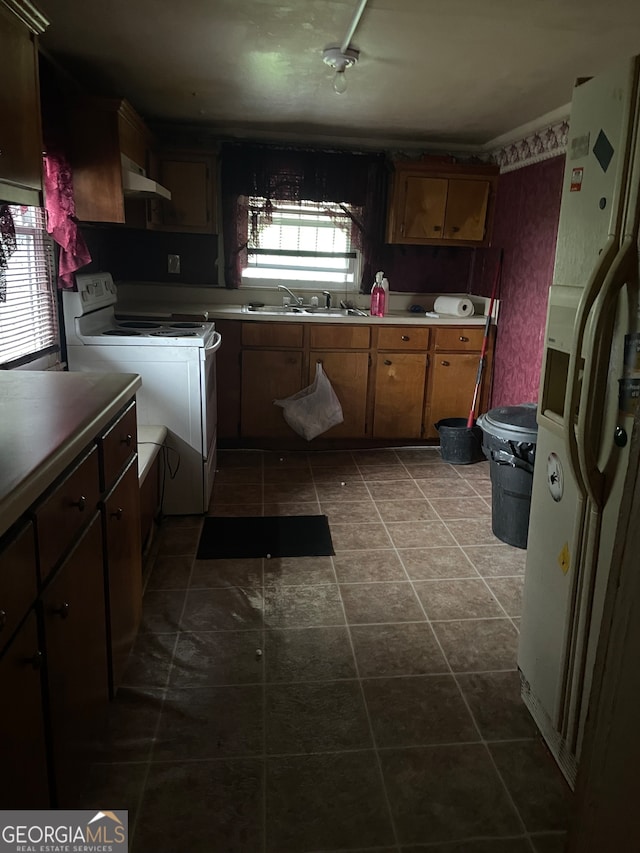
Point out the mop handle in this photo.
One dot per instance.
(483, 349)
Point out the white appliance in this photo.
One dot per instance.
(588, 393)
(177, 363)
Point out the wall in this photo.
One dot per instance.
(525, 227)
(138, 255)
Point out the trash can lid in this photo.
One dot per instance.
(511, 423)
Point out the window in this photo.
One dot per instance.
(304, 245)
(28, 315)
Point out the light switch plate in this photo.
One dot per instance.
(173, 263)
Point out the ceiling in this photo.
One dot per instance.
(431, 73)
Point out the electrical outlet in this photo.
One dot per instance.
(173, 263)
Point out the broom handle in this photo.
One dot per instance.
(483, 349)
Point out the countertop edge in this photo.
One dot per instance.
(17, 499)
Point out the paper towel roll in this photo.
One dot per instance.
(454, 306)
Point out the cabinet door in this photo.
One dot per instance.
(23, 781)
(18, 580)
(399, 395)
(424, 208)
(20, 135)
(76, 648)
(228, 377)
(348, 373)
(268, 375)
(466, 214)
(191, 180)
(453, 377)
(124, 570)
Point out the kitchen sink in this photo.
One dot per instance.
(291, 310)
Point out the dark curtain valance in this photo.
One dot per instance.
(296, 174)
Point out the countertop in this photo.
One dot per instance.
(240, 312)
(46, 419)
(392, 318)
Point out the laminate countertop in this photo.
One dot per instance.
(47, 418)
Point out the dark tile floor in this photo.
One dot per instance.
(363, 702)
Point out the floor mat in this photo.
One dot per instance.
(277, 536)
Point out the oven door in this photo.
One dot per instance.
(209, 412)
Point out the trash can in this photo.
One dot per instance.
(509, 436)
(459, 444)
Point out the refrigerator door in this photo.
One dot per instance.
(577, 472)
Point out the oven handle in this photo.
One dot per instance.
(216, 340)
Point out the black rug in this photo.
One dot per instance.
(278, 536)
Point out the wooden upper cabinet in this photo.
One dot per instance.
(102, 130)
(20, 129)
(191, 178)
(449, 205)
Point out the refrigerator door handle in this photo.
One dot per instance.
(574, 385)
(588, 414)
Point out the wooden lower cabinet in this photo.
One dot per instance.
(268, 375)
(399, 395)
(23, 781)
(453, 378)
(121, 515)
(348, 373)
(73, 607)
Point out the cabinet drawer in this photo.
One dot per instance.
(64, 513)
(459, 339)
(400, 338)
(18, 580)
(339, 337)
(272, 334)
(117, 445)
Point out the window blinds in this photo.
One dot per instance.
(28, 314)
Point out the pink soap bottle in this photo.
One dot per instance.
(378, 297)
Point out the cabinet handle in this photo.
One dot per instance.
(386, 361)
(36, 660)
(3, 619)
(437, 227)
(118, 514)
(127, 439)
(463, 339)
(81, 503)
(404, 338)
(455, 229)
(444, 363)
(63, 610)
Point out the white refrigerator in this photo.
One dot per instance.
(589, 388)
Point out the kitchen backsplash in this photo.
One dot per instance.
(138, 255)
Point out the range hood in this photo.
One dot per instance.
(135, 183)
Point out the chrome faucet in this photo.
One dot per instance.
(298, 300)
(327, 297)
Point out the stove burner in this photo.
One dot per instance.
(174, 333)
(186, 325)
(138, 324)
(122, 333)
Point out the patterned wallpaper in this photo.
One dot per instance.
(526, 227)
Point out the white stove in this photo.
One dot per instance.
(90, 318)
(176, 361)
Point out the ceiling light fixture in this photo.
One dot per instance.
(343, 57)
(340, 60)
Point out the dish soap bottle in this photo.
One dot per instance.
(378, 297)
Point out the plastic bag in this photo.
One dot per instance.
(313, 410)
